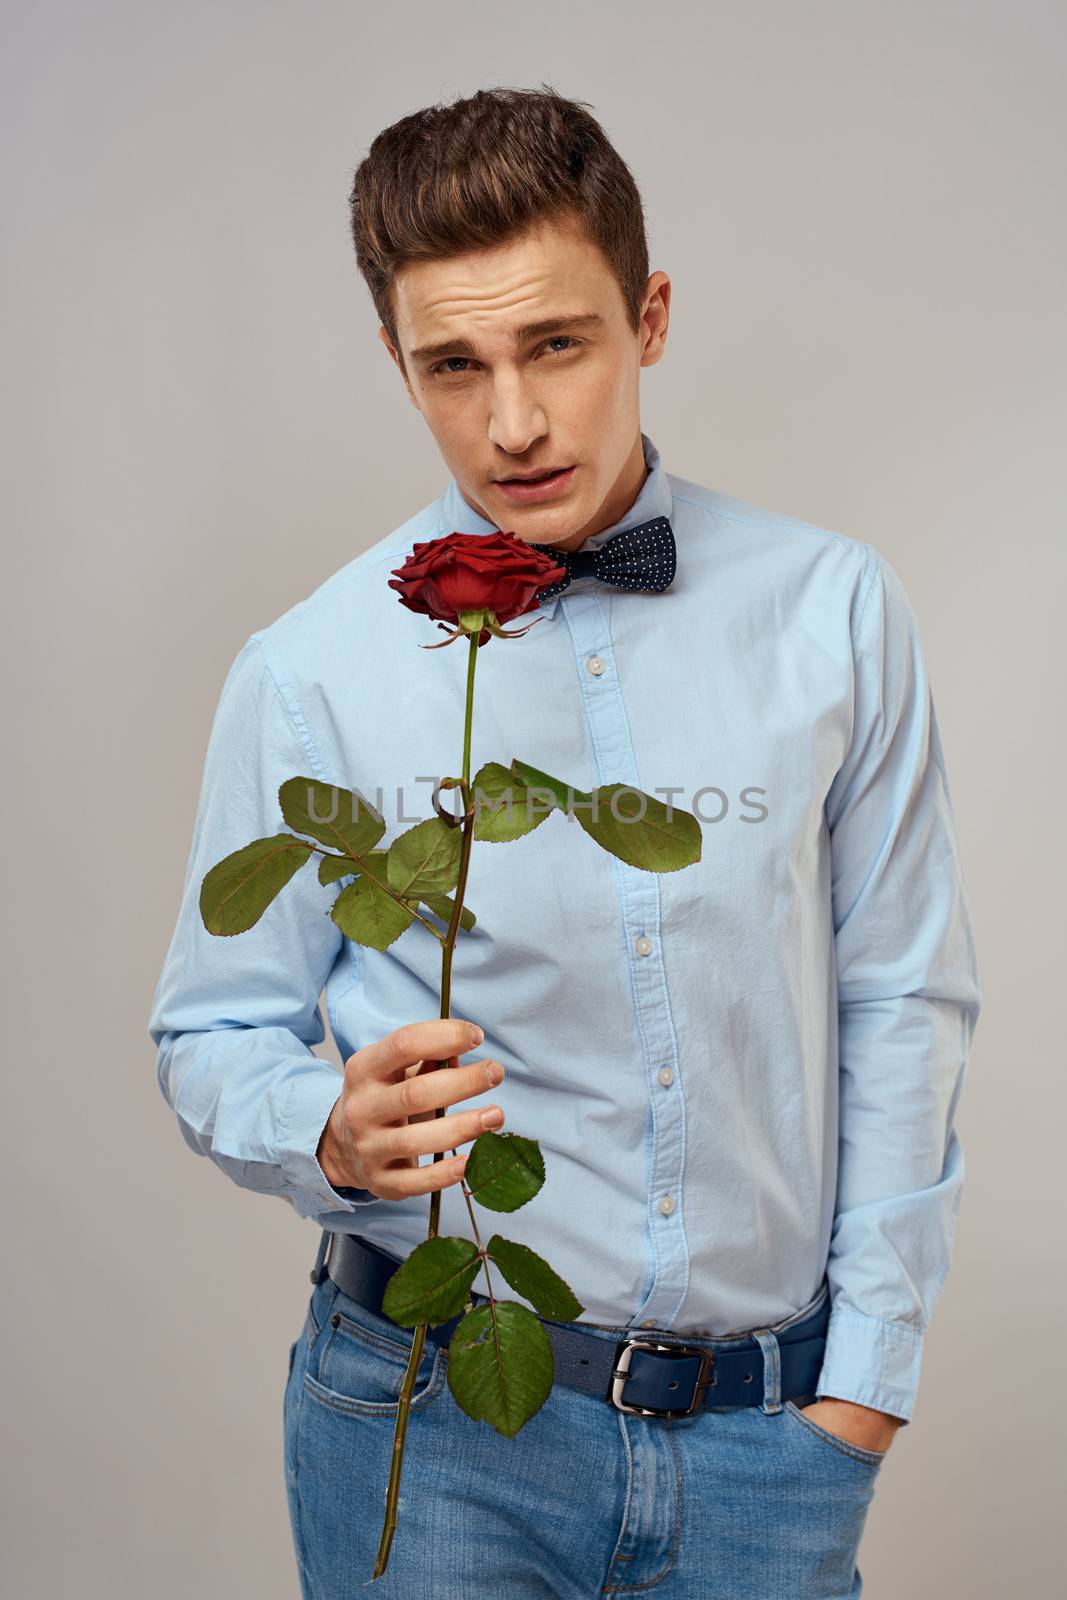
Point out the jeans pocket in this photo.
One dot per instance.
(357, 1363)
(822, 1436)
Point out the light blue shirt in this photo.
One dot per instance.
(743, 1075)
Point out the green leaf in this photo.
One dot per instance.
(641, 833)
(331, 868)
(534, 778)
(625, 821)
(425, 859)
(368, 915)
(496, 821)
(442, 905)
(240, 887)
(433, 1284)
(500, 1366)
(504, 1170)
(339, 818)
(531, 1276)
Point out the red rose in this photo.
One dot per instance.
(495, 572)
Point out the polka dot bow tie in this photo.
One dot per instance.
(637, 558)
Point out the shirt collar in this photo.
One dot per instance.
(654, 499)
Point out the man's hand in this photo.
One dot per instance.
(383, 1120)
(862, 1425)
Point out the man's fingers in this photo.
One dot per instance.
(434, 1040)
(418, 1097)
(408, 1143)
(428, 1066)
(397, 1183)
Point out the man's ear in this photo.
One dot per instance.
(655, 317)
(383, 334)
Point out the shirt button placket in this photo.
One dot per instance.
(616, 762)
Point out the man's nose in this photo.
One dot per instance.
(516, 419)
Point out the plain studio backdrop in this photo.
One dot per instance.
(861, 209)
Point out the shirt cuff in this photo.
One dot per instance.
(872, 1362)
(312, 1095)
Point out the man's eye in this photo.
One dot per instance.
(556, 338)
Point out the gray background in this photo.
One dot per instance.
(860, 206)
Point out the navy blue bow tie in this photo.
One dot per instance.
(637, 558)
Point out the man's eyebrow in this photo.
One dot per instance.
(527, 330)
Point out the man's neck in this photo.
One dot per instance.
(621, 497)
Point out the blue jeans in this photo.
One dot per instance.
(733, 1503)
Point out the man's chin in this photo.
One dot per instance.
(539, 524)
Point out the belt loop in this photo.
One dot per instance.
(318, 1271)
(772, 1370)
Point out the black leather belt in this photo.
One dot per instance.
(655, 1375)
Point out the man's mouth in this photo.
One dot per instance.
(539, 486)
(536, 477)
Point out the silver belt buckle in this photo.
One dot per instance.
(621, 1371)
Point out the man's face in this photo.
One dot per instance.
(505, 398)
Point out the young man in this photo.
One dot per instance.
(743, 1075)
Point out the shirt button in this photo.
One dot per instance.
(666, 1076)
(666, 1205)
(596, 664)
(651, 1323)
(643, 946)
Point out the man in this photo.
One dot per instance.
(743, 1075)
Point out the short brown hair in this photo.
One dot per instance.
(482, 171)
